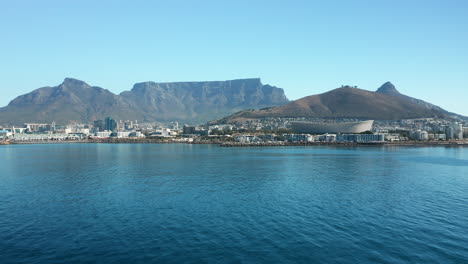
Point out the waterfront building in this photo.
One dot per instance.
(419, 135)
(360, 138)
(103, 134)
(459, 131)
(392, 137)
(5, 133)
(298, 137)
(267, 137)
(247, 139)
(440, 137)
(46, 137)
(165, 132)
(326, 138)
(449, 133)
(122, 134)
(454, 131)
(137, 134)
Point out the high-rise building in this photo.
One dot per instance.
(99, 125)
(454, 131)
(459, 131)
(110, 124)
(449, 133)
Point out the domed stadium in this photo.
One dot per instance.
(332, 128)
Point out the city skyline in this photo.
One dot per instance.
(306, 48)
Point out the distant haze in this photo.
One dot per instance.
(305, 47)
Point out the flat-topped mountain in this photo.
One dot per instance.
(348, 102)
(192, 102)
(202, 101)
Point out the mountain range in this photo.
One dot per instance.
(200, 102)
(190, 102)
(387, 103)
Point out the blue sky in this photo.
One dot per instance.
(305, 47)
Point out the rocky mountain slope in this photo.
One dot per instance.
(191, 102)
(348, 102)
(202, 101)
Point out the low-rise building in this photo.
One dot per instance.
(326, 138)
(267, 137)
(360, 138)
(47, 137)
(298, 137)
(121, 134)
(103, 134)
(137, 134)
(247, 139)
(392, 137)
(164, 132)
(5, 133)
(191, 130)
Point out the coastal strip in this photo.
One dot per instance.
(239, 144)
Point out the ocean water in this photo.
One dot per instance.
(177, 203)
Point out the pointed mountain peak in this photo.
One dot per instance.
(388, 88)
(70, 82)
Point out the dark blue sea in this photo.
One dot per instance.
(177, 203)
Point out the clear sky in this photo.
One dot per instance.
(306, 47)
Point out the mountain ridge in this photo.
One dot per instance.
(386, 103)
(193, 102)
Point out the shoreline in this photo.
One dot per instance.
(236, 144)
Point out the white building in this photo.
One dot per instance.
(5, 133)
(420, 135)
(299, 137)
(123, 134)
(247, 139)
(103, 134)
(163, 132)
(47, 137)
(454, 131)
